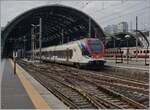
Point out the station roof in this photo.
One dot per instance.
(56, 19)
(121, 40)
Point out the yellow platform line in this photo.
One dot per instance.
(35, 97)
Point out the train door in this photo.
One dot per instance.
(67, 55)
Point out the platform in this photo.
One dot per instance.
(139, 65)
(13, 94)
(22, 91)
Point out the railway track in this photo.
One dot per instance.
(65, 92)
(93, 95)
(106, 80)
(135, 90)
(117, 82)
(134, 95)
(69, 95)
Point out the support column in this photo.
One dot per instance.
(40, 38)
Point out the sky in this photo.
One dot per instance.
(103, 12)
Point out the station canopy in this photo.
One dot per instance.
(57, 21)
(121, 40)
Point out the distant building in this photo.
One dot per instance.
(122, 27)
(110, 29)
(107, 29)
(114, 28)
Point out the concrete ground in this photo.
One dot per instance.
(22, 91)
(13, 94)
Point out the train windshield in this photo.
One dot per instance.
(84, 50)
(95, 46)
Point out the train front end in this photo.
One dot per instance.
(93, 51)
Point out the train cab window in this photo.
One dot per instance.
(144, 51)
(95, 46)
(85, 51)
(141, 51)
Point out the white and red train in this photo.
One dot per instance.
(132, 52)
(84, 52)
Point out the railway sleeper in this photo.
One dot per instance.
(124, 98)
(82, 102)
(86, 106)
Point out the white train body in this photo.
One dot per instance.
(76, 52)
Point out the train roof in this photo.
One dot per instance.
(68, 43)
(82, 40)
